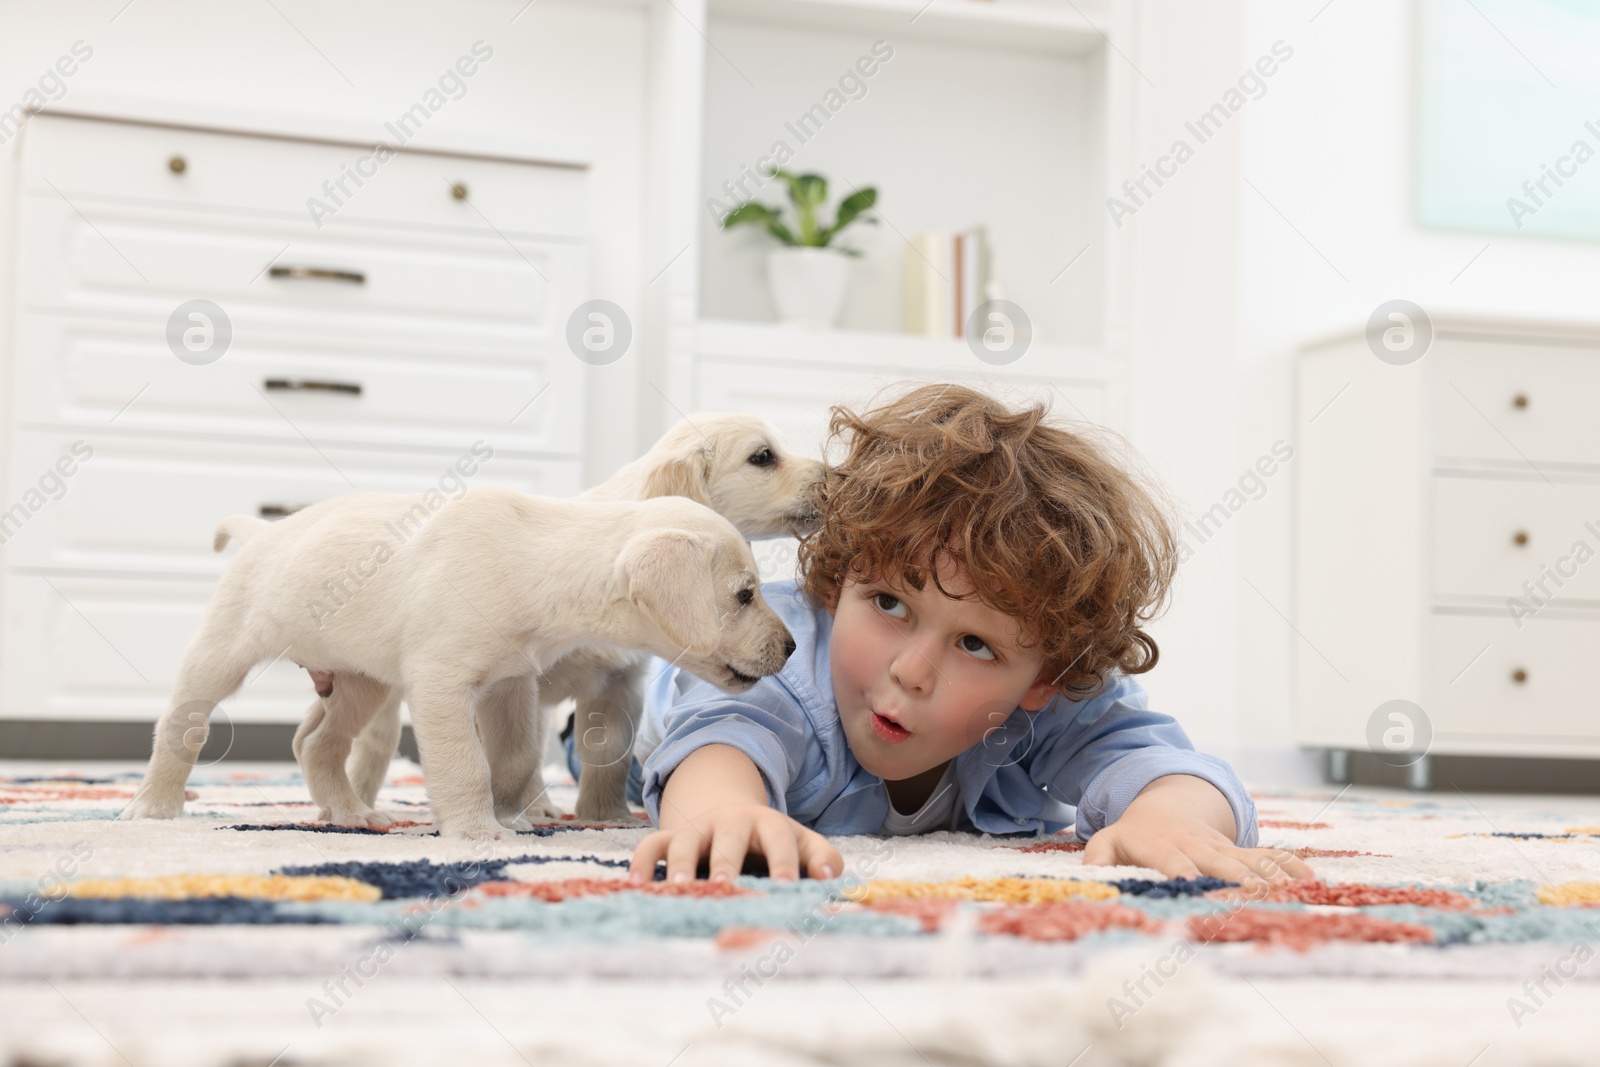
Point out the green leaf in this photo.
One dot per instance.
(806, 190)
(813, 189)
(750, 211)
(850, 208)
(776, 227)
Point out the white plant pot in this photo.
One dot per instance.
(808, 285)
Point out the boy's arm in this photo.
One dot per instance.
(1182, 826)
(719, 782)
(1145, 796)
(716, 799)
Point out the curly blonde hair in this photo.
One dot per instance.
(1048, 528)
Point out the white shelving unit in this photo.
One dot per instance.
(1007, 114)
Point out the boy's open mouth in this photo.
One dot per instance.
(888, 729)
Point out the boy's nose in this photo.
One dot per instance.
(912, 668)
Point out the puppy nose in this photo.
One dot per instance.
(788, 647)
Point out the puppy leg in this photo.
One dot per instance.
(314, 716)
(324, 749)
(511, 723)
(453, 760)
(375, 746)
(213, 668)
(604, 727)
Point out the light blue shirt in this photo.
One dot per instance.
(1027, 776)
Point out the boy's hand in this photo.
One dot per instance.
(1183, 827)
(730, 832)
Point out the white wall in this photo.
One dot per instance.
(568, 69)
(1238, 261)
(1184, 394)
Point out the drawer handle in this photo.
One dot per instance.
(1520, 537)
(278, 511)
(1519, 676)
(459, 190)
(177, 164)
(326, 274)
(1520, 400)
(310, 385)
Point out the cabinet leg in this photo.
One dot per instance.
(1419, 776)
(1338, 765)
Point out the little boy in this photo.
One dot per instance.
(967, 619)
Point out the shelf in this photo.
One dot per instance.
(763, 342)
(1063, 27)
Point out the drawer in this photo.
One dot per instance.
(92, 160)
(106, 649)
(1556, 700)
(149, 506)
(1492, 536)
(1511, 404)
(272, 385)
(136, 259)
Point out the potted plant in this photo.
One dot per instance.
(808, 274)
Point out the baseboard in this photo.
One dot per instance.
(240, 742)
(1289, 766)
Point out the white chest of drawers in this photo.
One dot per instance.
(413, 339)
(1447, 541)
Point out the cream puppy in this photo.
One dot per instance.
(740, 466)
(461, 605)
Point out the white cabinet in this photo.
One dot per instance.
(416, 332)
(1447, 547)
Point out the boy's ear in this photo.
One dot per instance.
(1038, 695)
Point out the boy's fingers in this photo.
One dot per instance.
(683, 855)
(1272, 865)
(1101, 851)
(645, 855)
(1174, 864)
(1229, 869)
(1290, 864)
(822, 859)
(729, 842)
(778, 845)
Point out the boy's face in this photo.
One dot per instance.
(920, 678)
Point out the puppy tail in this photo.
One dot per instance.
(239, 528)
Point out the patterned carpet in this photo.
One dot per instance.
(245, 886)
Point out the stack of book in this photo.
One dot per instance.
(947, 276)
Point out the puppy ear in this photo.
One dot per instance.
(668, 576)
(687, 475)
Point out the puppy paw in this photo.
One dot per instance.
(542, 810)
(147, 807)
(515, 821)
(607, 813)
(367, 817)
(477, 832)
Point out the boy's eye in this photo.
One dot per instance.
(968, 640)
(888, 604)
